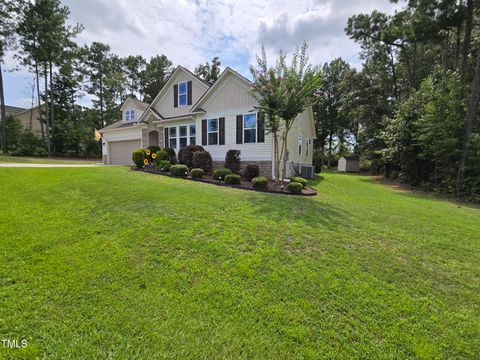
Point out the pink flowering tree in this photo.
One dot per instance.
(283, 92)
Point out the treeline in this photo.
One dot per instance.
(65, 72)
(411, 111)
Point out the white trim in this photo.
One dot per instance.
(256, 127)
(213, 132)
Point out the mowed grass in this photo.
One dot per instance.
(110, 263)
(40, 160)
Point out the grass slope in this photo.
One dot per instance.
(39, 160)
(110, 263)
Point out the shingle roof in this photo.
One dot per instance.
(118, 125)
(140, 104)
(13, 109)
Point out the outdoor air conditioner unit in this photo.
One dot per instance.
(307, 171)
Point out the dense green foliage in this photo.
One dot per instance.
(179, 170)
(233, 179)
(220, 173)
(202, 160)
(162, 155)
(163, 165)
(260, 182)
(197, 173)
(206, 272)
(251, 171)
(185, 155)
(300, 180)
(138, 157)
(232, 161)
(295, 187)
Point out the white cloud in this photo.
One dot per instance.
(191, 32)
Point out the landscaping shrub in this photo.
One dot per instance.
(220, 173)
(251, 171)
(232, 160)
(299, 179)
(233, 179)
(185, 155)
(197, 173)
(179, 170)
(164, 165)
(260, 182)
(138, 156)
(162, 155)
(295, 187)
(151, 152)
(172, 157)
(202, 160)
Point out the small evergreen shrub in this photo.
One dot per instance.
(233, 179)
(151, 152)
(161, 155)
(202, 160)
(232, 160)
(260, 182)
(295, 187)
(299, 179)
(197, 173)
(138, 156)
(172, 157)
(164, 165)
(179, 170)
(251, 171)
(185, 155)
(220, 173)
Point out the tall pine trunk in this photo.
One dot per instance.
(3, 113)
(52, 106)
(47, 120)
(467, 39)
(468, 125)
(37, 76)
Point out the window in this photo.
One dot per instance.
(172, 136)
(212, 131)
(129, 115)
(249, 128)
(192, 134)
(182, 94)
(183, 136)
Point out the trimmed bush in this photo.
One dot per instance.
(202, 160)
(138, 155)
(299, 179)
(172, 157)
(295, 187)
(233, 179)
(179, 170)
(220, 173)
(232, 160)
(185, 155)
(251, 171)
(161, 155)
(197, 173)
(260, 182)
(164, 165)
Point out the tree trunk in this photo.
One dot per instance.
(468, 125)
(101, 102)
(37, 76)
(3, 113)
(330, 141)
(52, 106)
(284, 154)
(467, 39)
(47, 120)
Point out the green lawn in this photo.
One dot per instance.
(39, 160)
(110, 263)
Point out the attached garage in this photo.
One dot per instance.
(121, 151)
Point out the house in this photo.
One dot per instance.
(349, 164)
(30, 118)
(220, 117)
(12, 110)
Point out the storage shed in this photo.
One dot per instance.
(349, 164)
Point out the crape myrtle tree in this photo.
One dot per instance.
(284, 91)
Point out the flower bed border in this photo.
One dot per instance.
(310, 191)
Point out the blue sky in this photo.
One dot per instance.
(192, 32)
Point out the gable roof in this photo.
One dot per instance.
(137, 103)
(167, 85)
(118, 125)
(13, 109)
(220, 80)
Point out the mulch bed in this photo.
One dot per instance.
(272, 187)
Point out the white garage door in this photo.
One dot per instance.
(121, 151)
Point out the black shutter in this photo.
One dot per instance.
(221, 128)
(175, 95)
(204, 132)
(239, 129)
(189, 93)
(261, 127)
(166, 138)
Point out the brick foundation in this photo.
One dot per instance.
(265, 167)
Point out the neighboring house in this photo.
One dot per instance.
(30, 118)
(219, 117)
(12, 110)
(349, 164)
